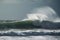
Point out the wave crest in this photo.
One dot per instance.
(42, 14)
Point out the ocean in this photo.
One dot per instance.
(29, 34)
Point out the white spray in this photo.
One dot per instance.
(43, 13)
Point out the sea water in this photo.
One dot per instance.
(40, 37)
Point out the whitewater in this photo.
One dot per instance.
(45, 37)
(43, 13)
(30, 38)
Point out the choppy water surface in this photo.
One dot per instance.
(20, 31)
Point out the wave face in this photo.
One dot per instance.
(43, 13)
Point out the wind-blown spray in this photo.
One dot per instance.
(43, 13)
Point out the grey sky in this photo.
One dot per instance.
(17, 9)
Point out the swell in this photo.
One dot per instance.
(30, 25)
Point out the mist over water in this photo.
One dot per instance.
(43, 13)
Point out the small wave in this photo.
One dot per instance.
(34, 32)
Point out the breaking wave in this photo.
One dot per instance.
(43, 13)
